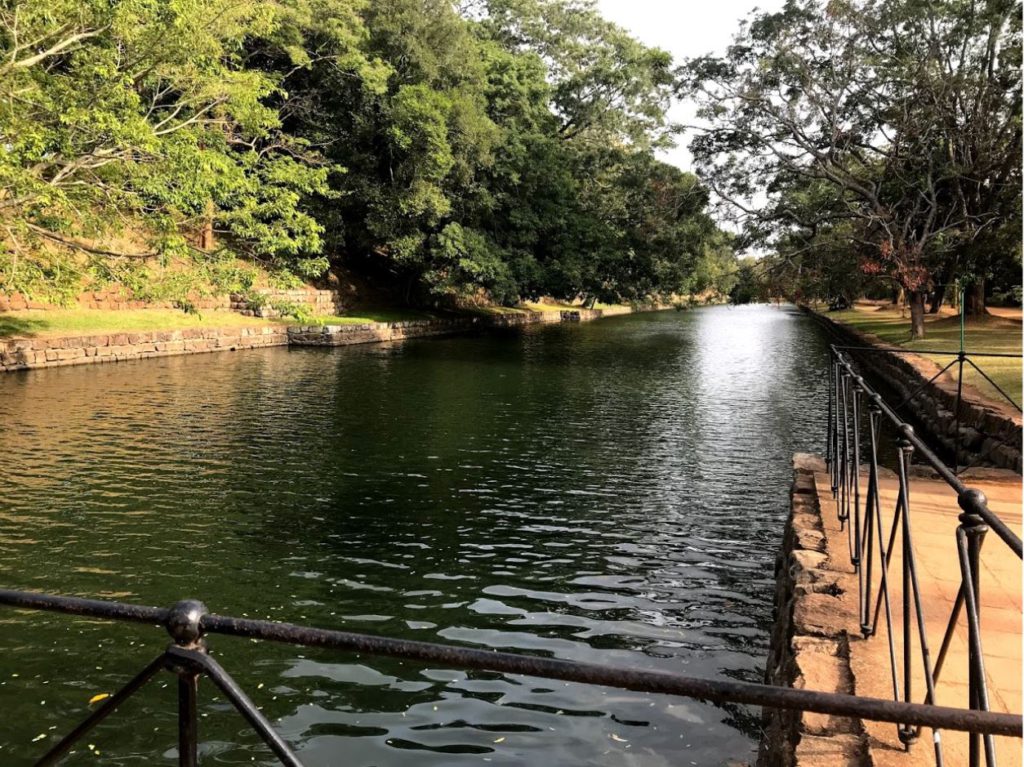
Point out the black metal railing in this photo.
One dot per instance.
(188, 624)
(855, 420)
(961, 360)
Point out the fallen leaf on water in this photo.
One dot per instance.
(98, 697)
(617, 739)
(500, 740)
(40, 736)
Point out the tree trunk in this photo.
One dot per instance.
(206, 240)
(917, 301)
(942, 279)
(974, 300)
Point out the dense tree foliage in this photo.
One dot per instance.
(501, 149)
(118, 114)
(875, 135)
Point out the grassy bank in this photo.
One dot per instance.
(65, 322)
(79, 322)
(999, 332)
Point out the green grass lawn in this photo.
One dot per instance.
(94, 321)
(997, 333)
(363, 316)
(75, 322)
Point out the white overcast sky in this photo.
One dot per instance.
(684, 28)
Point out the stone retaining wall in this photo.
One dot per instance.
(318, 302)
(344, 335)
(45, 351)
(108, 299)
(27, 353)
(990, 433)
(807, 650)
(374, 332)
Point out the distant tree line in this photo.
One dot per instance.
(868, 141)
(496, 148)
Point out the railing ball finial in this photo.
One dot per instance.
(184, 622)
(906, 438)
(970, 500)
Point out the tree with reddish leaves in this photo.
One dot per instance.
(895, 122)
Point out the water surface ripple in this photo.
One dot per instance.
(611, 492)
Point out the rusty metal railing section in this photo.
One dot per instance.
(189, 624)
(855, 416)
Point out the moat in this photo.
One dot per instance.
(611, 492)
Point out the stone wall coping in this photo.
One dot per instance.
(31, 352)
(809, 648)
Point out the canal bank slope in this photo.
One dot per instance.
(29, 351)
(990, 431)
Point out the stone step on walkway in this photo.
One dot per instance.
(934, 519)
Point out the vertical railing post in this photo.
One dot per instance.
(188, 724)
(972, 530)
(870, 502)
(959, 387)
(959, 402)
(836, 373)
(844, 456)
(184, 626)
(855, 558)
(907, 734)
(831, 406)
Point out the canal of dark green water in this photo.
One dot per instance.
(612, 492)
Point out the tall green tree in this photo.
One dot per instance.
(900, 118)
(143, 117)
(606, 86)
(495, 151)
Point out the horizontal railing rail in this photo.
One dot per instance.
(855, 413)
(188, 623)
(936, 352)
(961, 359)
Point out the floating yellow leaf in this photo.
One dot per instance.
(500, 740)
(98, 697)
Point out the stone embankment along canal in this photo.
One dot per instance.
(990, 431)
(56, 351)
(815, 604)
(371, 332)
(32, 352)
(816, 641)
